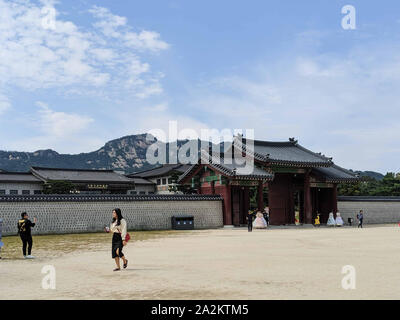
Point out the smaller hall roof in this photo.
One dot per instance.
(336, 174)
(235, 169)
(289, 153)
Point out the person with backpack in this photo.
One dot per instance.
(24, 231)
(120, 237)
(360, 218)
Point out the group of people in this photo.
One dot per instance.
(339, 221)
(257, 219)
(118, 228)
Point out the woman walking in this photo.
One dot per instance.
(119, 229)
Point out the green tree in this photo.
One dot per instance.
(58, 187)
(175, 187)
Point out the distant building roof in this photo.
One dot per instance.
(79, 175)
(288, 153)
(139, 181)
(18, 177)
(162, 170)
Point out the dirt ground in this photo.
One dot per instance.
(278, 263)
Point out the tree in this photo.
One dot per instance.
(58, 187)
(176, 187)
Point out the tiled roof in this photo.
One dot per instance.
(113, 198)
(138, 180)
(288, 153)
(18, 177)
(79, 175)
(336, 174)
(234, 169)
(161, 170)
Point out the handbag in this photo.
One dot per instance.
(127, 237)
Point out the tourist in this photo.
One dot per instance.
(339, 220)
(266, 215)
(259, 222)
(24, 231)
(317, 221)
(360, 218)
(250, 216)
(331, 220)
(119, 229)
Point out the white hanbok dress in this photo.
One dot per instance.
(331, 220)
(339, 220)
(259, 222)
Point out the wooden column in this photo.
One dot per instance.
(260, 199)
(334, 200)
(228, 206)
(307, 199)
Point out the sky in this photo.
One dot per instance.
(75, 74)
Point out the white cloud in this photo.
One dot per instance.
(4, 103)
(61, 124)
(346, 106)
(115, 26)
(70, 56)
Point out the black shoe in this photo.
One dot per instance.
(126, 264)
(117, 269)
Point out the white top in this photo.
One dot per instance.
(122, 228)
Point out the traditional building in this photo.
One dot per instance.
(162, 176)
(19, 183)
(289, 179)
(85, 180)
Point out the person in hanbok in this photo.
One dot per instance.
(259, 222)
(331, 220)
(317, 221)
(339, 220)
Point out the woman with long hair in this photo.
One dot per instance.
(119, 229)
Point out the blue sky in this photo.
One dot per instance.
(283, 68)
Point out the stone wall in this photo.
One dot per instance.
(376, 209)
(76, 214)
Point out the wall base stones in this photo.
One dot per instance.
(377, 210)
(77, 214)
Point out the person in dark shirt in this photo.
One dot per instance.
(266, 215)
(24, 231)
(360, 218)
(250, 216)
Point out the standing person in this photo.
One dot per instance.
(266, 215)
(250, 215)
(360, 218)
(24, 231)
(119, 229)
(259, 222)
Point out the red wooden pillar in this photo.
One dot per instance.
(246, 200)
(307, 199)
(260, 199)
(334, 199)
(228, 206)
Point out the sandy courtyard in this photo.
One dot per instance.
(279, 263)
